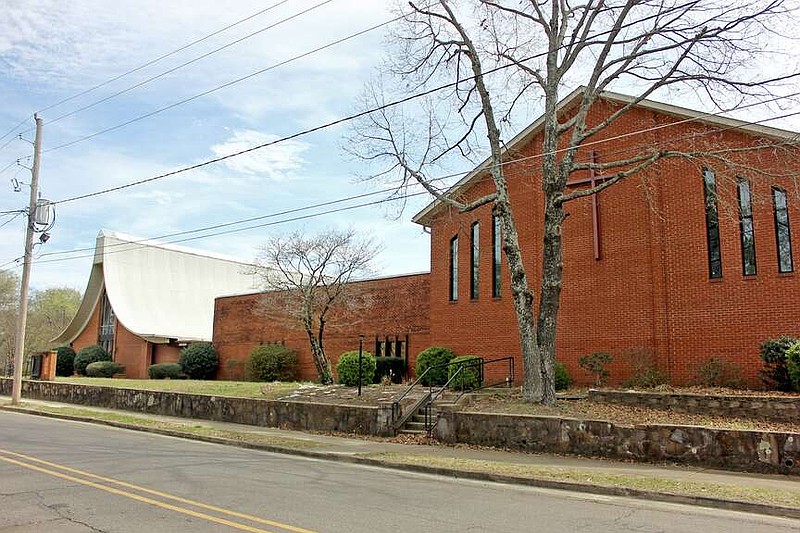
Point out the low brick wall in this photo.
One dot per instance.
(774, 408)
(729, 449)
(251, 411)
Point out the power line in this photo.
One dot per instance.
(144, 242)
(161, 57)
(224, 85)
(191, 61)
(9, 132)
(10, 220)
(315, 129)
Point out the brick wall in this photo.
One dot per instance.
(130, 350)
(393, 307)
(649, 295)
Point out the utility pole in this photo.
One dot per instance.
(16, 390)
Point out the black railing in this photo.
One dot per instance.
(479, 365)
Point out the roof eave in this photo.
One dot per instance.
(425, 216)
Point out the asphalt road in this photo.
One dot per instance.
(60, 476)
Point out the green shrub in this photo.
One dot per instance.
(717, 372)
(65, 361)
(561, 376)
(775, 373)
(199, 360)
(103, 369)
(435, 356)
(166, 371)
(469, 378)
(391, 368)
(272, 362)
(596, 364)
(90, 354)
(347, 368)
(793, 364)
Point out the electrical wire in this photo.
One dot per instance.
(9, 132)
(325, 126)
(187, 63)
(162, 57)
(223, 86)
(10, 220)
(128, 245)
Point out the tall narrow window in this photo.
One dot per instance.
(454, 269)
(474, 260)
(496, 258)
(746, 228)
(712, 224)
(783, 236)
(105, 337)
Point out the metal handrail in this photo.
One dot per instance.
(431, 396)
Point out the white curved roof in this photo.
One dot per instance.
(158, 291)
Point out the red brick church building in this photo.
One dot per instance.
(689, 260)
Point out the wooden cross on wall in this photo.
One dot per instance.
(593, 180)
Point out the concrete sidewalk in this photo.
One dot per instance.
(762, 493)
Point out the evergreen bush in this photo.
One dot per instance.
(793, 364)
(435, 356)
(103, 369)
(561, 376)
(65, 361)
(347, 368)
(272, 362)
(775, 373)
(469, 378)
(166, 371)
(89, 354)
(199, 360)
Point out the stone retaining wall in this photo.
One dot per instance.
(251, 411)
(729, 449)
(774, 408)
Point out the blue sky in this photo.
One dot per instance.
(51, 50)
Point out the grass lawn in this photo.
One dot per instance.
(239, 389)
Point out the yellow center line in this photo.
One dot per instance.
(150, 501)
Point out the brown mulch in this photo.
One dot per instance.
(511, 403)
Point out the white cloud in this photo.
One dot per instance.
(277, 162)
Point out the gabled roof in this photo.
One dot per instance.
(158, 291)
(573, 99)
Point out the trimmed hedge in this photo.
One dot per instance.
(87, 355)
(561, 376)
(435, 356)
(166, 371)
(347, 368)
(199, 360)
(272, 362)
(470, 376)
(389, 366)
(103, 369)
(65, 361)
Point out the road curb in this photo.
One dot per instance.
(666, 497)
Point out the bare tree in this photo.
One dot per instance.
(312, 275)
(9, 284)
(499, 55)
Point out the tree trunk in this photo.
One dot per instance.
(550, 294)
(523, 302)
(321, 363)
